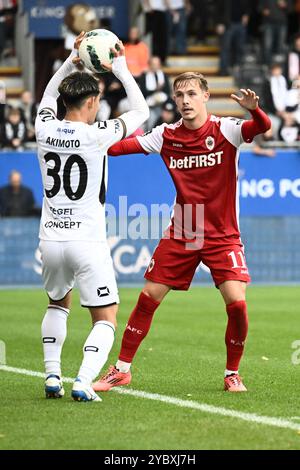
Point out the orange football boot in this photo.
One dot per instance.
(113, 378)
(233, 383)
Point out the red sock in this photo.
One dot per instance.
(137, 327)
(236, 333)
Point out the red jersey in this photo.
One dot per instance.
(203, 164)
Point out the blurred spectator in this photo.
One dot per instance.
(16, 200)
(293, 65)
(274, 26)
(157, 25)
(297, 11)
(8, 8)
(178, 13)
(2, 102)
(254, 26)
(275, 92)
(198, 19)
(261, 143)
(232, 20)
(168, 114)
(28, 110)
(289, 131)
(137, 53)
(293, 95)
(137, 58)
(114, 93)
(79, 17)
(155, 87)
(2, 29)
(104, 108)
(293, 99)
(13, 130)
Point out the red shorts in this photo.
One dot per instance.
(173, 265)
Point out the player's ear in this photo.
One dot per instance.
(174, 99)
(90, 101)
(206, 96)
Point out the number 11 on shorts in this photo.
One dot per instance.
(235, 261)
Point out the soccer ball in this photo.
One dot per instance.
(95, 49)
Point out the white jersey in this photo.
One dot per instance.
(73, 161)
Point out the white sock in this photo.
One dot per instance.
(230, 372)
(96, 350)
(54, 332)
(123, 366)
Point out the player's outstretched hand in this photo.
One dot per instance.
(117, 51)
(249, 100)
(78, 41)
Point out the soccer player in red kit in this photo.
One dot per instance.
(201, 152)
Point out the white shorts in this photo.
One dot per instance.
(89, 263)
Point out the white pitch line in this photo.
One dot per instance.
(249, 417)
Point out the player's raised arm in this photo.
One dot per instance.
(126, 147)
(260, 122)
(51, 92)
(139, 112)
(151, 142)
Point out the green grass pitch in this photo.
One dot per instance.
(182, 357)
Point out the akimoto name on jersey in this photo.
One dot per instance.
(196, 161)
(63, 143)
(74, 168)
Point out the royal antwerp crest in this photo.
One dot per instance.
(210, 142)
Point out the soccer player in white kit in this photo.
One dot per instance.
(72, 155)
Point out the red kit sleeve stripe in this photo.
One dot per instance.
(259, 124)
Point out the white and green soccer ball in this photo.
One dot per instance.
(95, 50)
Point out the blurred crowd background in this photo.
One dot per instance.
(256, 43)
(250, 44)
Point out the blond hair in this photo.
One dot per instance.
(185, 77)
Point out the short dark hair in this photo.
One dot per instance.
(77, 87)
(185, 77)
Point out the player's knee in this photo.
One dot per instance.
(105, 313)
(66, 303)
(238, 310)
(152, 294)
(155, 291)
(235, 299)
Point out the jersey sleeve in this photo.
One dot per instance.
(259, 124)
(126, 147)
(152, 141)
(51, 92)
(46, 112)
(231, 128)
(109, 132)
